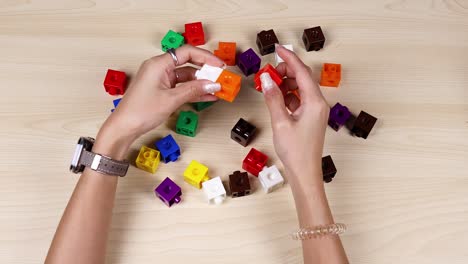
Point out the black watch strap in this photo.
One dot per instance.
(103, 164)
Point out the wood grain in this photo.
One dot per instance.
(402, 192)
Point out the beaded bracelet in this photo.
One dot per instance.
(308, 233)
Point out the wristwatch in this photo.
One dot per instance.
(84, 157)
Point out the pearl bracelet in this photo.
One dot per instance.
(315, 232)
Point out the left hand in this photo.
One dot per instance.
(153, 96)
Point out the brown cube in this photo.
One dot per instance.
(313, 39)
(266, 40)
(328, 169)
(239, 184)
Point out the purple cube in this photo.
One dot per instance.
(168, 192)
(339, 114)
(249, 62)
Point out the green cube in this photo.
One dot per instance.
(172, 40)
(202, 105)
(187, 123)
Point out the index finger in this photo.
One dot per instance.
(293, 67)
(194, 55)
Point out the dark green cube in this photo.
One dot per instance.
(202, 105)
(187, 123)
(172, 40)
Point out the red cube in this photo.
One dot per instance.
(273, 73)
(115, 82)
(194, 34)
(254, 162)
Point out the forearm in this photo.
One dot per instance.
(313, 210)
(82, 233)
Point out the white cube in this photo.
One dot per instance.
(214, 190)
(277, 58)
(270, 178)
(208, 72)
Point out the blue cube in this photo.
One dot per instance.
(168, 148)
(116, 103)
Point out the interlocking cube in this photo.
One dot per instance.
(339, 115)
(168, 148)
(200, 106)
(328, 169)
(194, 34)
(230, 86)
(227, 52)
(116, 103)
(239, 184)
(243, 132)
(187, 123)
(248, 62)
(196, 173)
(214, 190)
(363, 125)
(172, 40)
(266, 40)
(115, 82)
(254, 162)
(331, 75)
(270, 178)
(148, 159)
(274, 74)
(168, 192)
(313, 39)
(230, 82)
(278, 59)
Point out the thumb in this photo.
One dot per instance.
(274, 99)
(189, 91)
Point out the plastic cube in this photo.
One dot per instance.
(230, 85)
(338, 117)
(239, 184)
(168, 148)
(200, 106)
(148, 159)
(169, 192)
(254, 162)
(278, 59)
(331, 75)
(270, 178)
(227, 52)
(214, 190)
(187, 123)
(208, 72)
(194, 34)
(172, 40)
(274, 74)
(115, 82)
(196, 173)
(249, 62)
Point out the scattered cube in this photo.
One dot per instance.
(115, 82)
(274, 74)
(214, 190)
(172, 40)
(187, 123)
(227, 52)
(168, 148)
(266, 40)
(270, 178)
(208, 72)
(230, 86)
(331, 75)
(148, 159)
(199, 106)
(169, 192)
(313, 39)
(254, 162)
(278, 59)
(243, 132)
(248, 62)
(363, 125)
(196, 173)
(328, 169)
(239, 184)
(116, 103)
(194, 34)
(339, 115)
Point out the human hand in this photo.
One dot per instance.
(152, 96)
(298, 135)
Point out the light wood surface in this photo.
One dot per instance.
(402, 192)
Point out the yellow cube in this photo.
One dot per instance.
(148, 159)
(196, 173)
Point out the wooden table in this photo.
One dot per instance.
(402, 192)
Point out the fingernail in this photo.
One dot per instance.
(277, 45)
(224, 66)
(267, 82)
(212, 87)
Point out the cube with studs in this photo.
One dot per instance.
(239, 184)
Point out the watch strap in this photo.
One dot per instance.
(103, 164)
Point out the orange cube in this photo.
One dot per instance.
(227, 52)
(331, 75)
(230, 85)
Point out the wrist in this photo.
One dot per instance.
(112, 144)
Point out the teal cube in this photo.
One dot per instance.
(172, 40)
(199, 106)
(187, 123)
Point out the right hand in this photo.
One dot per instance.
(298, 135)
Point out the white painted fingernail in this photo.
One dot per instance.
(212, 87)
(267, 82)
